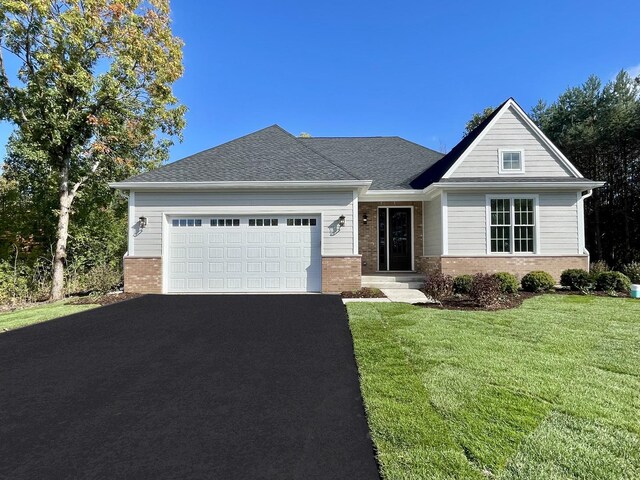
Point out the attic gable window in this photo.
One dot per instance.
(511, 161)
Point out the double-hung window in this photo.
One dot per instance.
(512, 224)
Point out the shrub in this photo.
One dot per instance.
(632, 270)
(613, 282)
(598, 267)
(537, 281)
(102, 278)
(462, 284)
(485, 290)
(577, 279)
(508, 282)
(14, 283)
(438, 286)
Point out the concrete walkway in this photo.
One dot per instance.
(405, 295)
(398, 295)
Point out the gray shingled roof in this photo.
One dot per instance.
(270, 154)
(273, 154)
(391, 162)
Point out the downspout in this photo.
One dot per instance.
(584, 247)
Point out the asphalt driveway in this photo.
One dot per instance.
(186, 387)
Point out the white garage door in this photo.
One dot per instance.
(252, 253)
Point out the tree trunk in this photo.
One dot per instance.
(62, 234)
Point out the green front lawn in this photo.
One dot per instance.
(550, 390)
(40, 313)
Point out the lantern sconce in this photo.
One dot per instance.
(142, 221)
(341, 220)
(365, 218)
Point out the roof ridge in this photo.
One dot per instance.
(222, 144)
(320, 154)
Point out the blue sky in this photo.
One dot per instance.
(415, 69)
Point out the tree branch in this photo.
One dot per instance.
(79, 183)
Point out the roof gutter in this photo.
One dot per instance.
(361, 185)
(576, 185)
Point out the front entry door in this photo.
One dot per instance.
(394, 239)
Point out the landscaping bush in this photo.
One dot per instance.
(508, 282)
(577, 279)
(14, 283)
(613, 282)
(462, 284)
(537, 281)
(598, 267)
(485, 290)
(438, 286)
(632, 270)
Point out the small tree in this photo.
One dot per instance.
(93, 101)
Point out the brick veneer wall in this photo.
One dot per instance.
(368, 234)
(519, 266)
(143, 274)
(341, 273)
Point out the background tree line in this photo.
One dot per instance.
(597, 126)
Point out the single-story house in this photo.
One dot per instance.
(271, 212)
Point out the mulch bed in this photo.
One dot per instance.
(462, 302)
(363, 293)
(103, 299)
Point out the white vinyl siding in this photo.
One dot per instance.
(432, 224)
(510, 133)
(467, 223)
(330, 205)
(557, 223)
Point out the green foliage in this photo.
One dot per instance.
(598, 267)
(438, 286)
(537, 281)
(577, 279)
(508, 282)
(14, 284)
(462, 284)
(598, 128)
(632, 270)
(613, 282)
(91, 100)
(477, 119)
(485, 290)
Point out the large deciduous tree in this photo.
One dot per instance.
(92, 98)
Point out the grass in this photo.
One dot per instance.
(550, 390)
(37, 314)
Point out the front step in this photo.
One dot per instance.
(382, 285)
(393, 280)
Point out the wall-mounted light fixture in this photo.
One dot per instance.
(365, 218)
(341, 220)
(142, 221)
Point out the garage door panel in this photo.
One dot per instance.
(219, 254)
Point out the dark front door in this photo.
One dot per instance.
(394, 239)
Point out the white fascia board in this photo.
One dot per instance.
(361, 185)
(392, 195)
(580, 185)
(512, 103)
(545, 139)
(477, 140)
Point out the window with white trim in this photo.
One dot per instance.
(511, 161)
(512, 224)
(186, 222)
